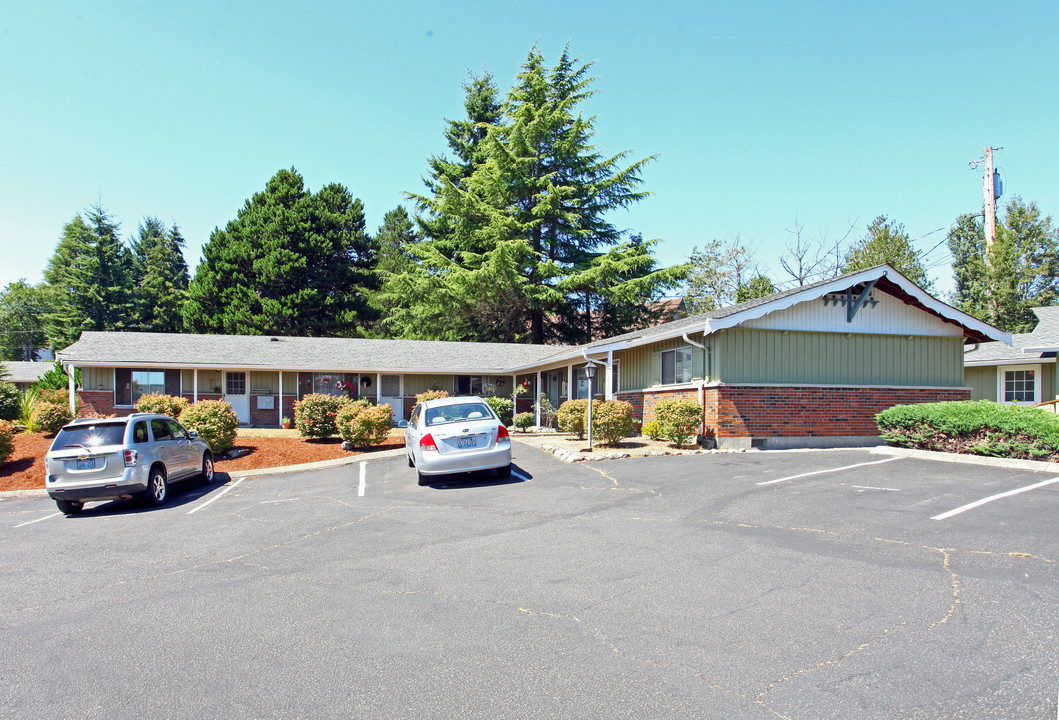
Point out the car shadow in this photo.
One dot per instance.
(479, 478)
(181, 493)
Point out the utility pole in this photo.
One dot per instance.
(989, 195)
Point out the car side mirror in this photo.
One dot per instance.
(402, 424)
(193, 433)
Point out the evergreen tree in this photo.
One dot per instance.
(395, 240)
(1022, 271)
(759, 286)
(291, 263)
(89, 279)
(887, 242)
(526, 231)
(22, 310)
(161, 274)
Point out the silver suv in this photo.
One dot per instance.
(121, 458)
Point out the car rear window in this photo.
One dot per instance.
(90, 435)
(458, 413)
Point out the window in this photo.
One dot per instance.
(337, 384)
(1020, 384)
(676, 366)
(160, 430)
(615, 383)
(130, 384)
(235, 383)
(139, 432)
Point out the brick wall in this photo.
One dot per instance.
(651, 400)
(636, 400)
(745, 411)
(101, 402)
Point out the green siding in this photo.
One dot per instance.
(641, 366)
(773, 356)
(97, 378)
(1048, 380)
(982, 381)
(415, 384)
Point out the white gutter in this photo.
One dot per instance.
(692, 342)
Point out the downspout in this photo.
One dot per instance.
(72, 384)
(702, 382)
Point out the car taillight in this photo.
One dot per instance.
(502, 435)
(131, 457)
(427, 443)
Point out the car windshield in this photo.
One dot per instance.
(90, 436)
(458, 413)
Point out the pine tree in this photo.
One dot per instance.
(161, 274)
(89, 279)
(887, 242)
(22, 310)
(291, 263)
(526, 230)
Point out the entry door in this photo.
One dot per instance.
(390, 392)
(236, 395)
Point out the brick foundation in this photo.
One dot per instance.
(733, 411)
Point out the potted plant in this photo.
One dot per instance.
(286, 423)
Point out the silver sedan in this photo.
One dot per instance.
(456, 435)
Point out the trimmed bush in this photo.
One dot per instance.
(680, 419)
(214, 421)
(171, 405)
(314, 415)
(572, 416)
(363, 424)
(652, 430)
(611, 421)
(49, 417)
(524, 421)
(978, 427)
(502, 406)
(7, 443)
(10, 401)
(431, 395)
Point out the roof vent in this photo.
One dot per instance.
(274, 339)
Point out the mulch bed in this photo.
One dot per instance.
(24, 470)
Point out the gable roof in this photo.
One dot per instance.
(1040, 344)
(886, 278)
(270, 352)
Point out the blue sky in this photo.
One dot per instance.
(758, 111)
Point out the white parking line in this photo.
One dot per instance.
(869, 487)
(363, 470)
(991, 498)
(270, 502)
(218, 496)
(46, 517)
(821, 472)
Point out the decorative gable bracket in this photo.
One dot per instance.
(852, 306)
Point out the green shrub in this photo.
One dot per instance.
(363, 424)
(502, 406)
(572, 416)
(214, 421)
(431, 395)
(611, 421)
(314, 415)
(7, 442)
(49, 417)
(29, 400)
(653, 430)
(980, 427)
(57, 379)
(680, 419)
(171, 405)
(524, 421)
(10, 401)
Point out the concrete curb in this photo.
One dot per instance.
(322, 464)
(1033, 465)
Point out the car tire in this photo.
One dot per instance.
(503, 472)
(410, 463)
(208, 474)
(157, 488)
(422, 479)
(69, 507)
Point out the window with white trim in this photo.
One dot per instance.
(1019, 384)
(676, 366)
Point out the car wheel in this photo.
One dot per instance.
(208, 475)
(157, 488)
(423, 479)
(69, 507)
(410, 463)
(504, 472)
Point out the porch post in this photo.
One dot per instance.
(280, 398)
(71, 373)
(378, 388)
(537, 402)
(609, 395)
(195, 385)
(569, 383)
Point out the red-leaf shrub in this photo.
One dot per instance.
(171, 405)
(214, 421)
(314, 415)
(362, 424)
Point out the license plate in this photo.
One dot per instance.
(466, 442)
(86, 464)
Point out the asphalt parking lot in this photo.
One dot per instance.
(811, 584)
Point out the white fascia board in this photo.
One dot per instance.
(1009, 361)
(390, 370)
(1041, 349)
